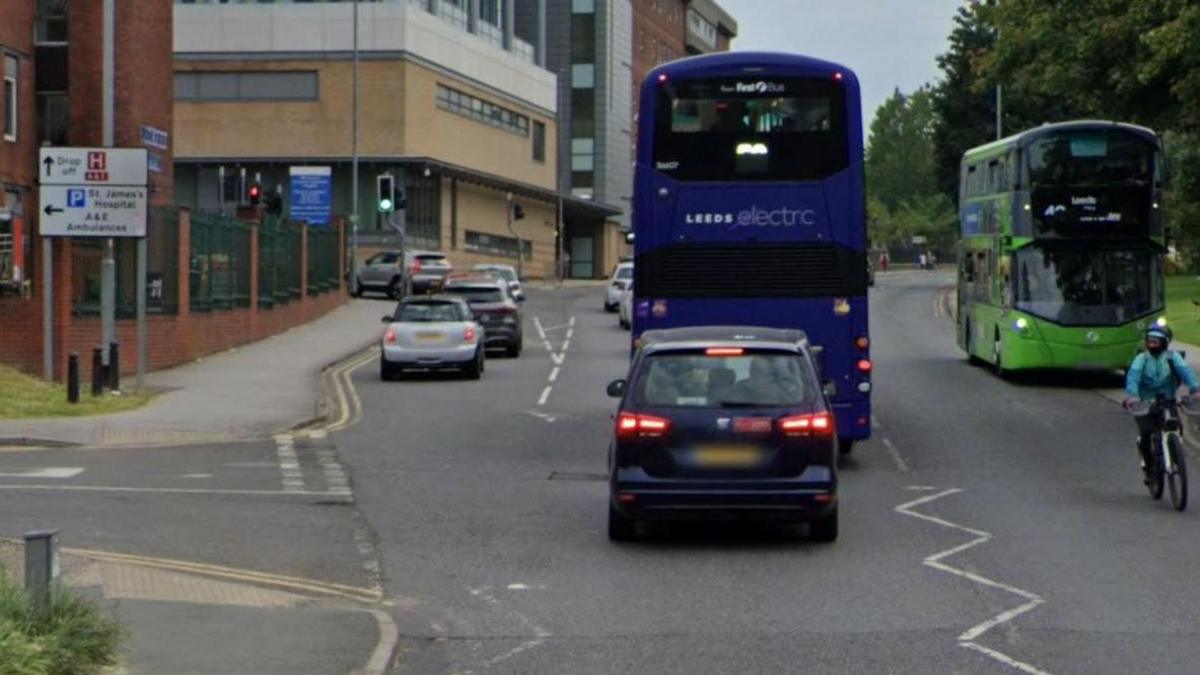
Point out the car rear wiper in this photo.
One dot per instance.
(739, 404)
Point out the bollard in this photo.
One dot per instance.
(97, 371)
(114, 367)
(41, 567)
(73, 378)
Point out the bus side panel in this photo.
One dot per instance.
(824, 320)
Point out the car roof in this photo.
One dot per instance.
(439, 299)
(698, 337)
(477, 281)
(492, 266)
(430, 253)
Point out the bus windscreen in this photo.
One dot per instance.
(732, 130)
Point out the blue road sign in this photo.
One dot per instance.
(311, 194)
(76, 198)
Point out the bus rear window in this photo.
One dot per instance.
(1093, 158)
(730, 130)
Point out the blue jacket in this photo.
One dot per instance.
(1149, 376)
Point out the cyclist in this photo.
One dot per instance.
(1156, 372)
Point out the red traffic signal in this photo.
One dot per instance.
(254, 194)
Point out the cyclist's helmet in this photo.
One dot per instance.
(1160, 333)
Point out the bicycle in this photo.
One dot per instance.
(1168, 462)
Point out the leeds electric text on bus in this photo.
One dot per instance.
(1061, 259)
(749, 208)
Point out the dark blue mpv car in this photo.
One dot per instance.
(723, 422)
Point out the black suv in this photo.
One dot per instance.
(494, 308)
(723, 421)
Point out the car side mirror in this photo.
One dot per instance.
(387, 318)
(616, 388)
(830, 389)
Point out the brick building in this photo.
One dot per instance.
(53, 54)
(666, 30)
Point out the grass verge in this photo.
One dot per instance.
(22, 396)
(1183, 315)
(74, 637)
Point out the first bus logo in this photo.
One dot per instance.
(97, 166)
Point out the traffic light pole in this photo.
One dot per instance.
(508, 212)
(108, 266)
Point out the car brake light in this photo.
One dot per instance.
(389, 336)
(635, 425)
(415, 267)
(864, 365)
(818, 424)
(469, 334)
(724, 351)
(862, 342)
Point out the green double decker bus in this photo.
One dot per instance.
(1060, 264)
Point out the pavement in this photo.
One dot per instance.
(247, 392)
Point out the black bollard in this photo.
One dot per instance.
(73, 378)
(114, 367)
(97, 371)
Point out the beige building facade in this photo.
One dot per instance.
(466, 126)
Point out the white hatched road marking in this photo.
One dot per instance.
(289, 463)
(968, 638)
(557, 357)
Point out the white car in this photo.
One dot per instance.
(625, 308)
(621, 277)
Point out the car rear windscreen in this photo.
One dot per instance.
(430, 311)
(696, 380)
(480, 294)
(435, 259)
(774, 129)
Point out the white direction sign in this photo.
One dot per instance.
(92, 192)
(92, 211)
(92, 166)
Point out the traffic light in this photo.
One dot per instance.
(386, 188)
(254, 194)
(518, 212)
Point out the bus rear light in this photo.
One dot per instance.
(724, 351)
(864, 387)
(635, 425)
(862, 342)
(818, 424)
(864, 365)
(662, 78)
(838, 76)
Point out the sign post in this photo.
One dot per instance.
(97, 193)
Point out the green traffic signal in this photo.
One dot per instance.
(386, 205)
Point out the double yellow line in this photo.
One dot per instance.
(348, 403)
(279, 581)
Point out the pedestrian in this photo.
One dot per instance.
(885, 261)
(921, 260)
(932, 261)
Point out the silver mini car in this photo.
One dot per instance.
(432, 333)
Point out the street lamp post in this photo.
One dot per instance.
(353, 281)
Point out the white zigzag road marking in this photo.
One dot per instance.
(968, 638)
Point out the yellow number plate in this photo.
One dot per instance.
(728, 455)
(430, 337)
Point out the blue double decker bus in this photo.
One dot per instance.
(749, 209)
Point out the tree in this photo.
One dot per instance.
(904, 197)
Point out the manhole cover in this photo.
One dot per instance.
(574, 475)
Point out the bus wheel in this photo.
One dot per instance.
(997, 357)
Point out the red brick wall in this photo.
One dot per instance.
(659, 35)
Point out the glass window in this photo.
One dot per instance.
(422, 312)
(539, 142)
(51, 25)
(583, 112)
(11, 69)
(699, 381)
(583, 39)
(583, 6)
(477, 294)
(278, 86)
(726, 129)
(583, 75)
(1076, 287)
(1101, 157)
(218, 86)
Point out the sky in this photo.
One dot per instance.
(888, 43)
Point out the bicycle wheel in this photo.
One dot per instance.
(1155, 486)
(1177, 480)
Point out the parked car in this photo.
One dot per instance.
(723, 421)
(432, 333)
(507, 273)
(625, 308)
(494, 308)
(421, 272)
(621, 277)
